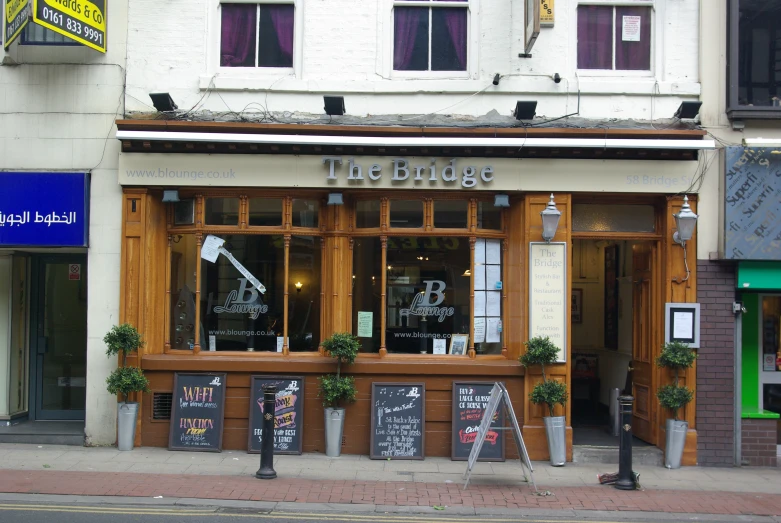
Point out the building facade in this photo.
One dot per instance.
(59, 261)
(409, 214)
(737, 370)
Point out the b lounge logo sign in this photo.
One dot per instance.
(239, 302)
(422, 304)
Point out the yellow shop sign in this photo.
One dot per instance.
(17, 14)
(81, 20)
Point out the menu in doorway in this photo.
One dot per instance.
(197, 412)
(469, 403)
(398, 425)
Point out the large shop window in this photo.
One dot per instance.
(614, 37)
(218, 305)
(435, 296)
(430, 38)
(257, 35)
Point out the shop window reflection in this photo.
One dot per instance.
(406, 214)
(304, 299)
(234, 315)
(451, 214)
(265, 212)
(367, 292)
(305, 213)
(183, 285)
(427, 296)
(222, 211)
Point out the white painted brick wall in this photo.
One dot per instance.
(173, 49)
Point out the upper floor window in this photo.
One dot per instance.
(430, 37)
(257, 34)
(35, 34)
(755, 57)
(614, 37)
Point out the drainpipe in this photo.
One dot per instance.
(738, 309)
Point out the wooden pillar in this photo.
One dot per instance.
(533, 428)
(678, 288)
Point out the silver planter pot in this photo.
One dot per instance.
(127, 413)
(675, 440)
(555, 430)
(334, 427)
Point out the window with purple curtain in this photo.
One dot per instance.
(445, 50)
(257, 35)
(599, 27)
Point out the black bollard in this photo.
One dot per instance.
(266, 470)
(626, 480)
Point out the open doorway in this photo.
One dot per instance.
(605, 313)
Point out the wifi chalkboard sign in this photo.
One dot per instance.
(197, 412)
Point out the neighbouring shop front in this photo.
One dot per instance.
(753, 242)
(432, 255)
(43, 295)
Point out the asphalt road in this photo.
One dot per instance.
(23, 512)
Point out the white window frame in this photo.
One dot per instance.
(215, 32)
(386, 34)
(656, 42)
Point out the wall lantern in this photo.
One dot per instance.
(550, 220)
(171, 196)
(335, 198)
(298, 286)
(685, 221)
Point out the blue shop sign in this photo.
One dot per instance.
(44, 209)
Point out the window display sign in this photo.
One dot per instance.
(17, 14)
(44, 209)
(82, 21)
(548, 293)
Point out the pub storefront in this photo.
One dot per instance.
(421, 249)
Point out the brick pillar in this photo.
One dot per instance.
(758, 442)
(715, 365)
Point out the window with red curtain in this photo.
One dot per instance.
(614, 37)
(256, 35)
(430, 38)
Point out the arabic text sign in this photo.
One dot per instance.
(83, 21)
(17, 14)
(44, 209)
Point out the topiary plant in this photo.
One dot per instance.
(542, 351)
(675, 355)
(124, 380)
(335, 389)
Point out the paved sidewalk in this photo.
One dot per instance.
(357, 480)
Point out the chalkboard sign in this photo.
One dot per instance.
(469, 403)
(288, 435)
(398, 425)
(197, 412)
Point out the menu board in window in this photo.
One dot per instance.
(469, 403)
(397, 421)
(289, 413)
(197, 412)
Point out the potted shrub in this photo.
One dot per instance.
(124, 380)
(542, 351)
(337, 390)
(675, 355)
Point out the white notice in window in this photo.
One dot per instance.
(212, 342)
(493, 252)
(480, 278)
(493, 303)
(365, 324)
(630, 30)
(440, 346)
(492, 332)
(683, 325)
(479, 303)
(210, 248)
(479, 330)
(480, 251)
